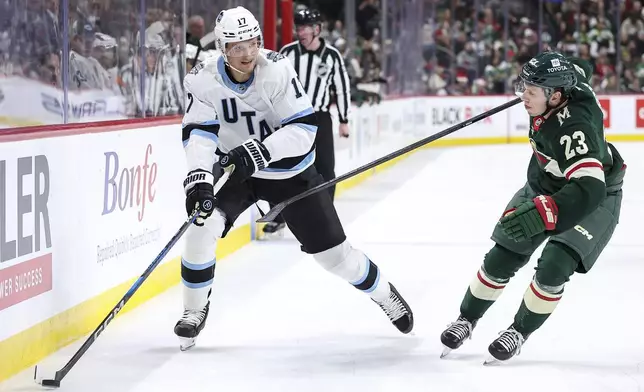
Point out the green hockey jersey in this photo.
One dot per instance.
(572, 161)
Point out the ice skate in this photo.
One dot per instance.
(456, 333)
(273, 230)
(189, 326)
(506, 346)
(397, 310)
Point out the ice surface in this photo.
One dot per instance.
(279, 322)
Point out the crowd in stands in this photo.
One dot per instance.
(463, 46)
(467, 50)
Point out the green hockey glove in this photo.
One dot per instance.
(530, 218)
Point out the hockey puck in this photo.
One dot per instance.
(50, 383)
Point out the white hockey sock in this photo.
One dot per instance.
(197, 281)
(198, 261)
(355, 267)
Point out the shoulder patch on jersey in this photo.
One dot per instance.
(563, 115)
(274, 56)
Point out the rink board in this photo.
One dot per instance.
(95, 205)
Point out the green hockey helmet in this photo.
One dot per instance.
(550, 71)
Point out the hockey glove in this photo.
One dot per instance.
(530, 218)
(247, 159)
(198, 187)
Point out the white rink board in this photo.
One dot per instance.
(84, 225)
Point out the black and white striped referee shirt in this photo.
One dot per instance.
(319, 70)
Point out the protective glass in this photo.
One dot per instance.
(519, 87)
(243, 49)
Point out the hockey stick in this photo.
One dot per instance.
(60, 374)
(277, 209)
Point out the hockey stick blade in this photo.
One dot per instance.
(48, 382)
(60, 374)
(278, 208)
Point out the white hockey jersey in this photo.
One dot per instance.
(271, 107)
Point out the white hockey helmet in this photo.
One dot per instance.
(236, 25)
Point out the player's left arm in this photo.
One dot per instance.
(577, 151)
(299, 123)
(342, 86)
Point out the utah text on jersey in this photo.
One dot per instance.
(271, 107)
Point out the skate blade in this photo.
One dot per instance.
(446, 351)
(186, 344)
(278, 235)
(491, 361)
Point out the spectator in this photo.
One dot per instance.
(431, 46)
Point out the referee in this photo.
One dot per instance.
(320, 67)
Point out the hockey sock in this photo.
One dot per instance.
(197, 281)
(557, 262)
(198, 262)
(481, 294)
(355, 267)
(538, 303)
(500, 264)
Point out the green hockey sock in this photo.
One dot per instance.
(536, 307)
(481, 294)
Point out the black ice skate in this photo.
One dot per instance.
(456, 333)
(506, 346)
(189, 326)
(397, 310)
(274, 230)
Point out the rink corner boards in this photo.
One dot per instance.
(29, 346)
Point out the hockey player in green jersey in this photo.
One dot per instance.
(571, 199)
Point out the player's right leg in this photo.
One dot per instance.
(324, 164)
(316, 225)
(198, 260)
(499, 265)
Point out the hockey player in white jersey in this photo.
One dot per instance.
(247, 106)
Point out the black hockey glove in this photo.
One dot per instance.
(249, 158)
(198, 186)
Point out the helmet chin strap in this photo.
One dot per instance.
(235, 69)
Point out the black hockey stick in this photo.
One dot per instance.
(60, 374)
(277, 209)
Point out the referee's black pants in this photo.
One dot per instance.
(324, 153)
